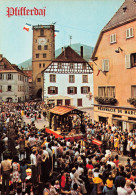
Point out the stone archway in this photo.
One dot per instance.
(39, 93)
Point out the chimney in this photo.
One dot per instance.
(62, 49)
(64, 52)
(81, 51)
(1, 56)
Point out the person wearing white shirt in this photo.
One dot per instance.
(121, 190)
(113, 128)
(32, 141)
(45, 153)
(34, 166)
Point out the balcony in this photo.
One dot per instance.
(106, 100)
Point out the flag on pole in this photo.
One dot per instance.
(98, 72)
(56, 32)
(26, 27)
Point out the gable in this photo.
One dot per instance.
(68, 68)
(69, 55)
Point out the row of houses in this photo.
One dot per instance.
(109, 78)
(67, 80)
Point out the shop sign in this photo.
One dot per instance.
(119, 111)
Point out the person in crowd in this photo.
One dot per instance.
(109, 188)
(15, 172)
(23, 174)
(85, 167)
(5, 170)
(34, 166)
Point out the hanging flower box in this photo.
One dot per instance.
(132, 101)
(106, 100)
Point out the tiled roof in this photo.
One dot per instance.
(28, 72)
(69, 55)
(61, 110)
(8, 67)
(17, 69)
(125, 13)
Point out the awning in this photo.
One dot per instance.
(61, 110)
(120, 119)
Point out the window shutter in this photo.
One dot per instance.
(48, 90)
(111, 39)
(127, 33)
(81, 90)
(68, 90)
(114, 38)
(6, 76)
(131, 32)
(56, 90)
(88, 89)
(133, 91)
(75, 90)
(127, 61)
(12, 76)
(106, 65)
(103, 65)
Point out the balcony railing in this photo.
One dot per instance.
(106, 100)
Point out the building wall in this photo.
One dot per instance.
(62, 82)
(118, 75)
(50, 54)
(15, 83)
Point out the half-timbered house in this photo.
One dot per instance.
(68, 80)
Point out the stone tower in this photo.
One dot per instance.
(43, 52)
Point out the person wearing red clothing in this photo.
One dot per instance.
(89, 165)
(63, 180)
(116, 161)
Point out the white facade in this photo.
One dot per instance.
(13, 86)
(80, 99)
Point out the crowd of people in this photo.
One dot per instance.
(35, 162)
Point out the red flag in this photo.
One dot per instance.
(98, 72)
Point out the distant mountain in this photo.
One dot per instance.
(26, 65)
(87, 52)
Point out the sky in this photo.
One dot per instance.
(81, 19)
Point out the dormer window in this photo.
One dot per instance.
(124, 9)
